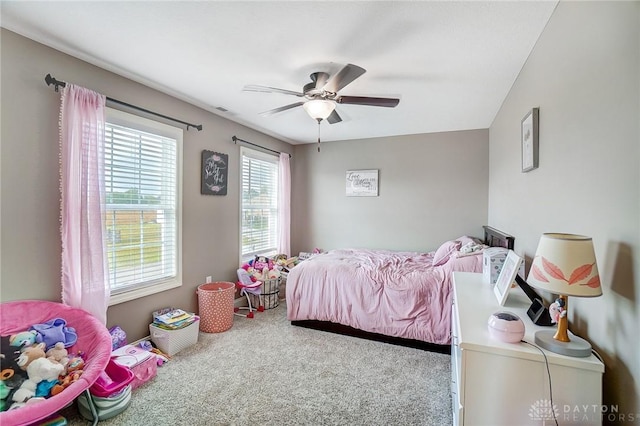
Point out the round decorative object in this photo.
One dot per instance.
(506, 327)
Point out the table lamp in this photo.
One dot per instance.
(564, 264)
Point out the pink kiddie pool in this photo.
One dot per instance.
(93, 339)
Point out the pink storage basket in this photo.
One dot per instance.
(215, 302)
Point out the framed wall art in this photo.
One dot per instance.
(362, 183)
(214, 173)
(529, 139)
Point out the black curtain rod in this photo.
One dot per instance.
(50, 80)
(236, 140)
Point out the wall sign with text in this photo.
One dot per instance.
(362, 183)
(214, 173)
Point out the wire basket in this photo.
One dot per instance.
(269, 294)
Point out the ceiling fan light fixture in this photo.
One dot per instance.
(319, 109)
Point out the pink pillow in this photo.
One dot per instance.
(445, 251)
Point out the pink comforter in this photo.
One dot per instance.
(397, 294)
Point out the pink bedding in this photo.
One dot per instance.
(93, 339)
(397, 294)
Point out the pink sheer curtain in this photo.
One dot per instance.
(284, 205)
(85, 278)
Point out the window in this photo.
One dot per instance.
(143, 181)
(259, 204)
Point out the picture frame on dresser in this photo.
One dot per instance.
(507, 276)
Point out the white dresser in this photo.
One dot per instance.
(495, 383)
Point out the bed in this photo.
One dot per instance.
(93, 339)
(396, 297)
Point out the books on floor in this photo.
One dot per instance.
(173, 319)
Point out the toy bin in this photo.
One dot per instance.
(112, 380)
(173, 341)
(105, 407)
(269, 296)
(109, 396)
(215, 302)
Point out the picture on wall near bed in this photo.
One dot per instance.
(362, 183)
(529, 135)
(214, 173)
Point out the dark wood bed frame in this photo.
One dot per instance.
(492, 237)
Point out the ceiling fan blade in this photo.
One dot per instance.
(345, 76)
(366, 100)
(280, 109)
(334, 117)
(267, 89)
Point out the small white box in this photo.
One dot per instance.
(173, 341)
(492, 262)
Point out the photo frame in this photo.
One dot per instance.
(507, 276)
(362, 183)
(214, 173)
(529, 138)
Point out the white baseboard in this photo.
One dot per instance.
(140, 340)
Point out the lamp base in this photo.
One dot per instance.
(577, 347)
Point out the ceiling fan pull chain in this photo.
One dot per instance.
(319, 120)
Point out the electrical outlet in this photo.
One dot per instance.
(208, 279)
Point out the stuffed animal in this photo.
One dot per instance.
(75, 363)
(23, 339)
(11, 375)
(261, 262)
(58, 354)
(273, 274)
(4, 393)
(65, 381)
(38, 369)
(30, 354)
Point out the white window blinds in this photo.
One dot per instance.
(259, 221)
(141, 181)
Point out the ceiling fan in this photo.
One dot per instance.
(321, 95)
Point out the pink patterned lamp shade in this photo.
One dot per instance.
(566, 264)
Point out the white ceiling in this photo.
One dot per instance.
(450, 63)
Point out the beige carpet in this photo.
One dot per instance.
(266, 371)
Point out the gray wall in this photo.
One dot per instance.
(432, 188)
(30, 240)
(584, 74)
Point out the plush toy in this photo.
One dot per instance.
(11, 375)
(65, 381)
(4, 393)
(273, 274)
(58, 354)
(279, 258)
(30, 354)
(23, 339)
(38, 368)
(261, 262)
(75, 363)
